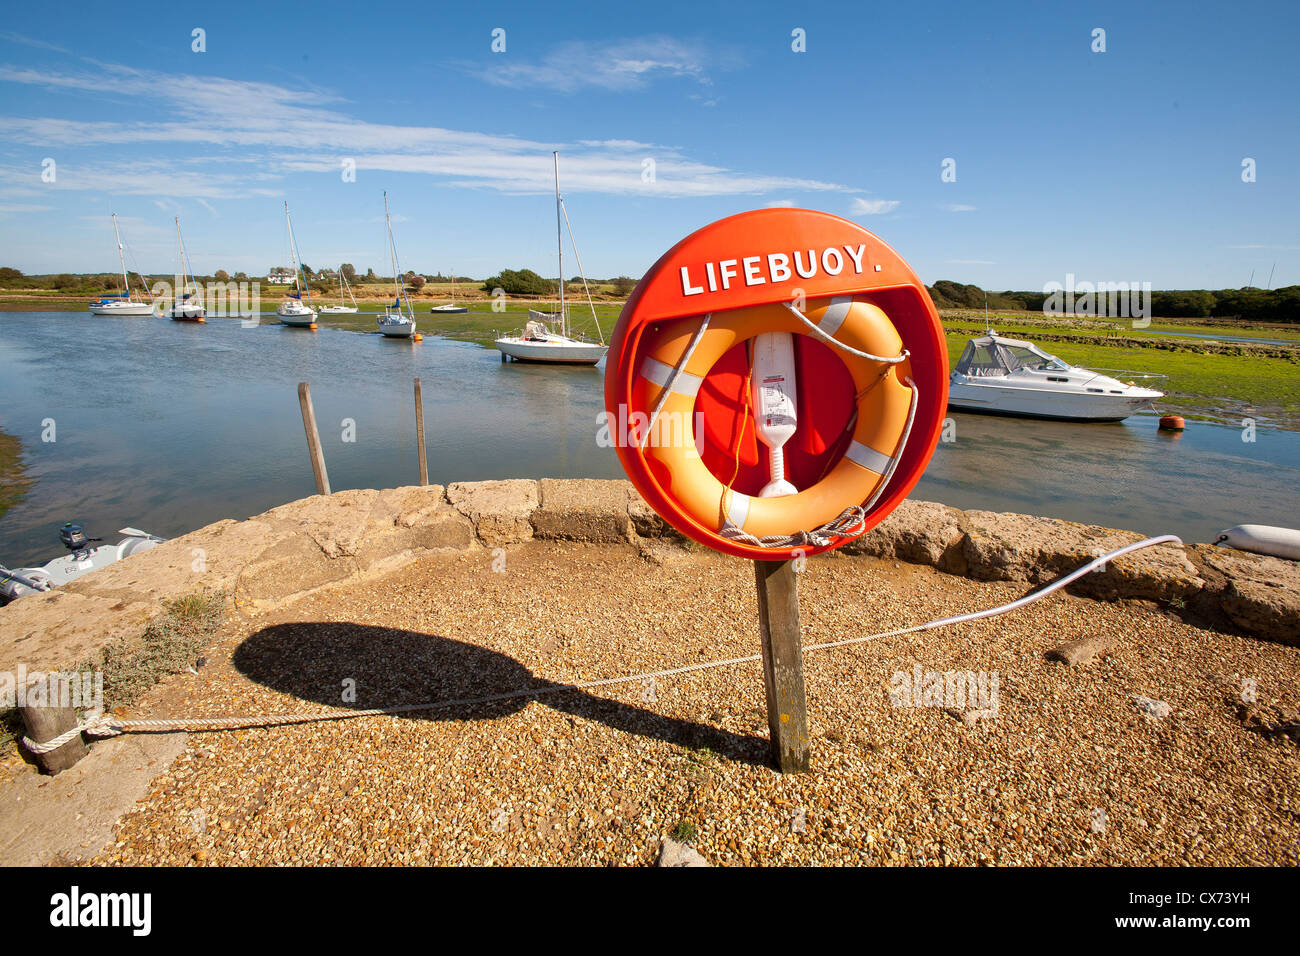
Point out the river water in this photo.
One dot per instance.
(169, 426)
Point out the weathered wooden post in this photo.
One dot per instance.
(419, 433)
(313, 440)
(46, 723)
(778, 619)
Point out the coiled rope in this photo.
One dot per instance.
(106, 726)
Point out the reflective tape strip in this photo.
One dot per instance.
(868, 457)
(661, 374)
(738, 509)
(835, 314)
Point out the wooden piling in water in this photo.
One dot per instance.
(419, 433)
(313, 440)
(787, 708)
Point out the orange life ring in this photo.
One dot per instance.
(884, 406)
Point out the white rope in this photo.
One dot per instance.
(832, 340)
(105, 726)
(672, 379)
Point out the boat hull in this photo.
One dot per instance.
(551, 353)
(127, 308)
(448, 310)
(1053, 406)
(338, 310)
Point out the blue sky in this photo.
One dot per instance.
(1115, 166)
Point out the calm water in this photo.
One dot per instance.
(170, 426)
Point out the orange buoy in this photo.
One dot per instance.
(1172, 423)
(312, 326)
(418, 337)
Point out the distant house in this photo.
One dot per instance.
(279, 276)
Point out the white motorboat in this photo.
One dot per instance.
(122, 303)
(81, 559)
(293, 311)
(186, 306)
(342, 309)
(1003, 376)
(398, 320)
(538, 342)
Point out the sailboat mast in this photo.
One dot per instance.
(180, 258)
(126, 286)
(559, 244)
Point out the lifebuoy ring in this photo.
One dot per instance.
(797, 304)
(881, 414)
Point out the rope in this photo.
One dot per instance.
(105, 726)
(672, 379)
(832, 340)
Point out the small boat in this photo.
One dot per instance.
(81, 559)
(342, 309)
(1263, 539)
(189, 307)
(1001, 376)
(537, 342)
(450, 308)
(293, 311)
(398, 320)
(122, 303)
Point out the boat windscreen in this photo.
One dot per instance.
(1022, 357)
(982, 360)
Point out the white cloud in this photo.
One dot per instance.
(959, 207)
(873, 207)
(781, 204)
(238, 123)
(616, 65)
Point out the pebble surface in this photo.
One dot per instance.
(1064, 771)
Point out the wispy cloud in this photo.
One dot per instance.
(873, 207)
(959, 207)
(242, 122)
(781, 204)
(621, 65)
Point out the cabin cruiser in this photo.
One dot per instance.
(80, 559)
(1003, 376)
(294, 312)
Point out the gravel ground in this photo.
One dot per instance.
(1068, 771)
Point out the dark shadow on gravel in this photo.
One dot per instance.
(313, 660)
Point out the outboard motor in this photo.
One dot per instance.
(74, 538)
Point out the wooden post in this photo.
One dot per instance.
(778, 617)
(313, 440)
(419, 433)
(46, 723)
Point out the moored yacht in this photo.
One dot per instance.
(398, 320)
(293, 311)
(1004, 376)
(122, 303)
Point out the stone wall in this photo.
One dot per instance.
(277, 557)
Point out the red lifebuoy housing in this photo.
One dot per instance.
(862, 343)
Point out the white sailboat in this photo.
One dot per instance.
(121, 303)
(537, 342)
(342, 309)
(451, 308)
(187, 306)
(293, 311)
(398, 320)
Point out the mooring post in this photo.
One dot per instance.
(313, 440)
(46, 723)
(787, 709)
(419, 433)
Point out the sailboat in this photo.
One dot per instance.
(189, 306)
(342, 309)
(121, 303)
(398, 320)
(537, 343)
(452, 308)
(293, 311)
